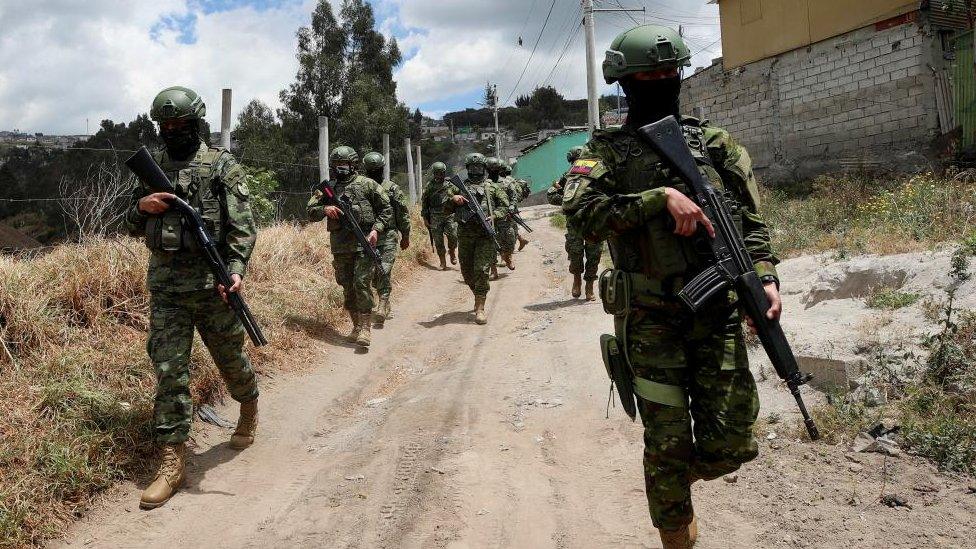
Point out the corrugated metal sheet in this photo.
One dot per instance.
(949, 14)
(964, 88)
(546, 162)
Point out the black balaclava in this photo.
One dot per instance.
(651, 100)
(478, 174)
(376, 176)
(183, 143)
(343, 171)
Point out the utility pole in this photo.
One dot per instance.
(323, 148)
(593, 100)
(225, 119)
(420, 173)
(410, 173)
(386, 157)
(498, 137)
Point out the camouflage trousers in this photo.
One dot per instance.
(387, 247)
(442, 228)
(172, 318)
(706, 356)
(476, 253)
(584, 258)
(507, 235)
(355, 272)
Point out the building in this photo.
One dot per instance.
(816, 86)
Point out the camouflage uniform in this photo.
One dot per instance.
(181, 285)
(517, 191)
(389, 243)
(700, 401)
(435, 208)
(476, 251)
(584, 257)
(354, 271)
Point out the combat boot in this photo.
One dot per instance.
(680, 538)
(589, 291)
(364, 338)
(453, 253)
(356, 328)
(387, 309)
(508, 261)
(382, 310)
(494, 272)
(479, 310)
(577, 285)
(522, 242)
(443, 262)
(247, 425)
(168, 479)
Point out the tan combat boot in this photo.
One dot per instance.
(522, 242)
(577, 285)
(681, 538)
(382, 311)
(479, 310)
(453, 253)
(364, 338)
(247, 425)
(508, 261)
(356, 328)
(387, 309)
(494, 272)
(589, 291)
(443, 262)
(168, 479)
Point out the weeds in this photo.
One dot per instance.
(890, 299)
(558, 220)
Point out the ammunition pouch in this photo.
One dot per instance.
(622, 291)
(621, 376)
(166, 233)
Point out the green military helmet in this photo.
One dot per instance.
(474, 158)
(574, 154)
(645, 48)
(344, 154)
(177, 102)
(438, 169)
(494, 164)
(373, 162)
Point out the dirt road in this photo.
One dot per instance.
(447, 434)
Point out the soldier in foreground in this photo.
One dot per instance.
(689, 369)
(476, 249)
(436, 210)
(584, 257)
(504, 227)
(518, 190)
(397, 236)
(181, 284)
(354, 271)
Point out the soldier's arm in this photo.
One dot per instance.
(240, 229)
(501, 202)
(135, 220)
(402, 212)
(425, 202)
(734, 164)
(555, 193)
(450, 191)
(382, 209)
(595, 210)
(315, 208)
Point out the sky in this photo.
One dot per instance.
(65, 65)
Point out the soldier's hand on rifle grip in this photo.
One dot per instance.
(236, 287)
(333, 212)
(459, 200)
(687, 215)
(155, 203)
(775, 305)
(373, 238)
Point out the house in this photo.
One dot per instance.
(817, 86)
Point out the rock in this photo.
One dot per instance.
(894, 501)
(376, 402)
(864, 442)
(772, 435)
(855, 468)
(731, 478)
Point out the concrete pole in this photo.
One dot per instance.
(225, 119)
(498, 139)
(420, 173)
(410, 173)
(593, 121)
(386, 157)
(323, 148)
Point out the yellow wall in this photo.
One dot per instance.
(757, 29)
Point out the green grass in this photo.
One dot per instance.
(558, 220)
(891, 299)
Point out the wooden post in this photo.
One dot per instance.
(420, 173)
(410, 173)
(225, 119)
(323, 148)
(386, 157)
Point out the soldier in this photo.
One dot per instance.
(396, 234)
(504, 227)
(518, 190)
(354, 270)
(584, 257)
(476, 250)
(181, 285)
(435, 210)
(691, 370)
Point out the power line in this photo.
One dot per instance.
(531, 55)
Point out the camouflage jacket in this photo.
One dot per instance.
(616, 192)
(216, 186)
(554, 195)
(435, 202)
(486, 191)
(371, 207)
(401, 212)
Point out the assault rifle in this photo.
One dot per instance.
(329, 196)
(517, 217)
(144, 166)
(730, 265)
(474, 207)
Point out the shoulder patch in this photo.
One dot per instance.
(583, 167)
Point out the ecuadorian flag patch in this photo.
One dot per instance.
(583, 167)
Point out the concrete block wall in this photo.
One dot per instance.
(865, 99)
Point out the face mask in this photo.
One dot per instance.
(476, 172)
(651, 100)
(343, 171)
(183, 142)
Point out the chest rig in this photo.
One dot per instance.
(198, 184)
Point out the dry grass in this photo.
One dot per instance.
(76, 387)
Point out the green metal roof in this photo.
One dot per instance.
(545, 162)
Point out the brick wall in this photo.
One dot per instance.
(865, 99)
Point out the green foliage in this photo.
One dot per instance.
(262, 184)
(940, 425)
(891, 299)
(841, 418)
(558, 220)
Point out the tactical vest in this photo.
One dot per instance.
(480, 193)
(198, 183)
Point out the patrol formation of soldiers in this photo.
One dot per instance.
(697, 398)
